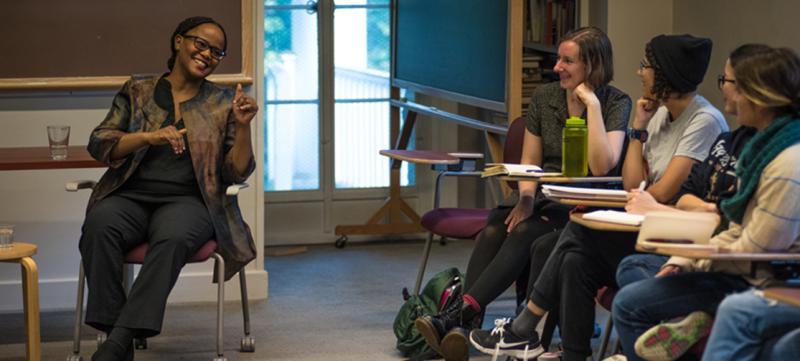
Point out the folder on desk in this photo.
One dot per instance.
(687, 230)
(595, 194)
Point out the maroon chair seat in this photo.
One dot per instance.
(461, 223)
(136, 255)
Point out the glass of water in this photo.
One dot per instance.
(6, 235)
(58, 135)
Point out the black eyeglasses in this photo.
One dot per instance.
(202, 44)
(721, 80)
(643, 65)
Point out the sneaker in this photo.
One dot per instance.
(668, 341)
(455, 346)
(500, 341)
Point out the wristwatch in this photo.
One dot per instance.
(638, 134)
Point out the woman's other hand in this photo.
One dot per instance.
(168, 134)
(645, 109)
(244, 107)
(521, 212)
(669, 269)
(640, 202)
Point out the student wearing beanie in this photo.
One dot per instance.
(673, 129)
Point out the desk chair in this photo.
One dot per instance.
(464, 223)
(136, 256)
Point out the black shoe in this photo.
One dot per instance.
(500, 341)
(455, 346)
(434, 328)
(112, 351)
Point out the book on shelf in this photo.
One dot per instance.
(515, 170)
(617, 217)
(594, 194)
(684, 230)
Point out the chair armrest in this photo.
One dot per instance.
(77, 185)
(233, 189)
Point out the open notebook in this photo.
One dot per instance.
(616, 217)
(515, 170)
(688, 230)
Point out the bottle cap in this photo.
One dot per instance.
(576, 121)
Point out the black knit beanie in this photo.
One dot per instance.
(683, 59)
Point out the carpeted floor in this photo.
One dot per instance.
(325, 304)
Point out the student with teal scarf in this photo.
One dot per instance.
(764, 214)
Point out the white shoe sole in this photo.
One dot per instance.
(519, 354)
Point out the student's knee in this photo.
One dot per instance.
(739, 304)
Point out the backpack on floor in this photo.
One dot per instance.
(440, 292)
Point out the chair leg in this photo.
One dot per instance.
(606, 336)
(248, 343)
(76, 328)
(220, 269)
(30, 293)
(423, 263)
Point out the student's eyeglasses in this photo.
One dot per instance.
(721, 80)
(643, 65)
(202, 44)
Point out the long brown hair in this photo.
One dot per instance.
(771, 79)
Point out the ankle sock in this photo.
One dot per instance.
(525, 323)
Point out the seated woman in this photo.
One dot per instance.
(762, 212)
(172, 144)
(665, 142)
(710, 181)
(501, 253)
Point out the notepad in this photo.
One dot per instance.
(598, 194)
(687, 230)
(616, 217)
(516, 170)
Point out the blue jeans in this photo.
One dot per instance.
(637, 267)
(750, 327)
(787, 347)
(644, 304)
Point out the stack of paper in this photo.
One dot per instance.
(515, 170)
(617, 217)
(595, 194)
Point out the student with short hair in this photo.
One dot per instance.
(501, 253)
(763, 214)
(665, 142)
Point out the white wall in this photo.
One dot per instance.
(48, 216)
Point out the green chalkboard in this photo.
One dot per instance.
(455, 48)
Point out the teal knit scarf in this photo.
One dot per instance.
(757, 153)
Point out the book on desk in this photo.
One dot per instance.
(681, 230)
(595, 194)
(516, 170)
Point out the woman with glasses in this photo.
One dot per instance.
(763, 214)
(673, 128)
(172, 144)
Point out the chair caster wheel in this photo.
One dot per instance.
(74, 358)
(140, 343)
(248, 344)
(341, 242)
(443, 241)
(101, 337)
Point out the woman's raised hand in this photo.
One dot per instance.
(645, 109)
(244, 107)
(168, 134)
(585, 94)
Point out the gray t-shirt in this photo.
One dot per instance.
(690, 135)
(547, 115)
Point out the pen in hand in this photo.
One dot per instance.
(642, 185)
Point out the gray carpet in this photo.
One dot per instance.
(325, 304)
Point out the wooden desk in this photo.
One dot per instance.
(28, 158)
(420, 156)
(21, 253)
(712, 254)
(601, 226)
(784, 294)
(587, 202)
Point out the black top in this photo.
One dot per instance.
(715, 178)
(162, 172)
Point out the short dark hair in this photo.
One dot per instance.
(661, 88)
(184, 27)
(595, 53)
(771, 79)
(746, 50)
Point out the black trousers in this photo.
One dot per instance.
(582, 262)
(174, 226)
(500, 257)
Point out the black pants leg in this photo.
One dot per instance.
(114, 226)
(175, 231)
(582, 262)
(499, 256)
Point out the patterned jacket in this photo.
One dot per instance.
(211, 130)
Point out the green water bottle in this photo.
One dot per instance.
(574, 150)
